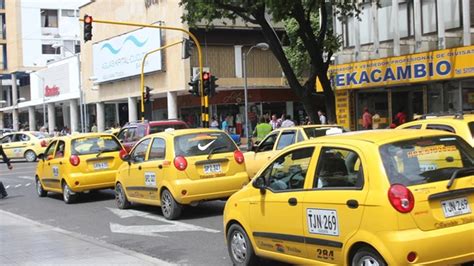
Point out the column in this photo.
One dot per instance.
(238, 61)
(132, 109)
(32, 118)
(74, 114)
(66, 115)
(51, 117)
(289, 109)
(396, 31)
(466, 22)
(100, 116)
(441, 32)
(15, 103)
(375, 27)
(1, 120)
(357, 39)
(172, 97)
(418, 29)
(117, 116)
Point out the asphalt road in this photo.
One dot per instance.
(195, 239)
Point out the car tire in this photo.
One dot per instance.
(68, 197)
(121, 198)
(30, 156)
(39, 189)
(367, 256)
(239, 247)
(169, 207)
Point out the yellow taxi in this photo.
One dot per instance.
(78, 163)
(362, 198)
(180, 167)
(24, 145)
(460, 124)
(282, 137)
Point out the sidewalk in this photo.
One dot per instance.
(26, 242)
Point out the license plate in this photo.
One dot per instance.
(323, 222)
(212, 168)
(101, 166)
(455, 207)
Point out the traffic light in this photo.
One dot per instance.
(194, 88)
(213, 86)
(206, 78)
(146, 94)
(187, 49)
(87, 28)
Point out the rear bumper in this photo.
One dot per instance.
(447, 246)
(208, 189)
(79, 182)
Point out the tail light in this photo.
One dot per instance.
(239, 157)
(180, 163)
(74, 160)
(401, 198)
(44, 143)
(122, 153)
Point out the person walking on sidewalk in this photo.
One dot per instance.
(262, 129)
(3, 191)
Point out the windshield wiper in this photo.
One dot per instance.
(213, 150)
(456, 173)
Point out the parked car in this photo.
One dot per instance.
(78, 163)
(281, 138)
(4, 131)
(131, 133)
(180, 167)
(378, 197)
(460, 124)
(24, 145)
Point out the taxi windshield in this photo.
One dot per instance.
(425, 160)
(203, 144)
(314, 132)
(161, 128)
(94, 145)
(40, 135)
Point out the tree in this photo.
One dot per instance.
(311, 39)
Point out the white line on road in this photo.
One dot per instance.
(27, 185)
(7, 186)
(19, 185)
(15, 173)
(26, 177)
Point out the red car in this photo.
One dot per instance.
(131, 133)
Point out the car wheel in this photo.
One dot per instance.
(367, 257)
(120, 197)
(239, 247)
(39, 189)
(170, 208)
(30, 156)
(68, 195)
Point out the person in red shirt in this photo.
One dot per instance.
(400, 117)
(366, 119)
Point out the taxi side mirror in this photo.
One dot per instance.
(41, 156)
(259, 183)
(50, 157)
(127, 158)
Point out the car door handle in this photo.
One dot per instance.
(292, 201)
(353, 204)
(140, 167)
(160, 166)
(49, 163)
(61, 163)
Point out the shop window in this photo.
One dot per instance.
(468, 95)
(49, 18)
(68, 13)
(441, 127)
(48, 49)
(451, 96)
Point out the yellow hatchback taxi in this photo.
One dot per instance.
(79, 163)
(180, 167)
(24, 145)
(380, 197)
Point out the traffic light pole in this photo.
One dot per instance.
(204, 99)
(142, 74)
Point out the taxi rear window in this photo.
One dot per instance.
(203, 144)
(425, 160)
(161, 128)
(93, 145)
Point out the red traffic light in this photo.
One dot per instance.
(87, 19)
(205, 76)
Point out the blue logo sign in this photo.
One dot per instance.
(130, 38)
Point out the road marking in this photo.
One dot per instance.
(14, 173)
(26, 177)
(7, 186)
(19, 185)
(152, 230)
(27, 185)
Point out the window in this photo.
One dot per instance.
(268, 143)
(49, 18)
(288, 172)
(300, 136)
(60, 149)
(161, 128)
(203, 144)
(48, 49)
(413, 127)
(451, 14)
(338, 168)
(139, 153)
(471, 128)
(157, 150)
(77, 48)
(286, 139)
(94, 145)
(441, 127)
(68, 13)
(20, 137)
(50, 150)
(7, 139)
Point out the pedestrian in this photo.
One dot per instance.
(376, 121)
(94, 128)
(322, 117)
(214, 123)
(366, 119)
(287, 122)
(262, 129)
(280, 120)
(307, 121)
(400, 118)
(3, 191)
(225, 124)
(274, 122)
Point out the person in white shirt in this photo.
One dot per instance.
(274, 122)
(287, 122)
(322, 117)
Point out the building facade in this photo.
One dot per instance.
(411, 56)
(33, 35)
(111, 62)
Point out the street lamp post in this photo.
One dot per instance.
(262, 46)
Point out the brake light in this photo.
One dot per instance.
(74, 160)
(239, 157)
(180, 163)
(44, 143)
(122, 153)
(401, 198)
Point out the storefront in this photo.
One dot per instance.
(432, 82)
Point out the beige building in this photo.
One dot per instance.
(111, 81)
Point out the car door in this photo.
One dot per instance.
(19, 145)
(276, 218)
(153, 169)
(6, 142)
(126, 137)
(333, 207)
(135, 181)
(57, 164)
(45, 165)
(263, 153)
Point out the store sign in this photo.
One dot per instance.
(121, 56)
(342, 108)
(422, 67)
(51, 91)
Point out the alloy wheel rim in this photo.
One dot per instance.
(66, 193)
(239, 247)
(30, 156)
(166, 204)
(38, 187)
(368, 261)
(120, 196)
